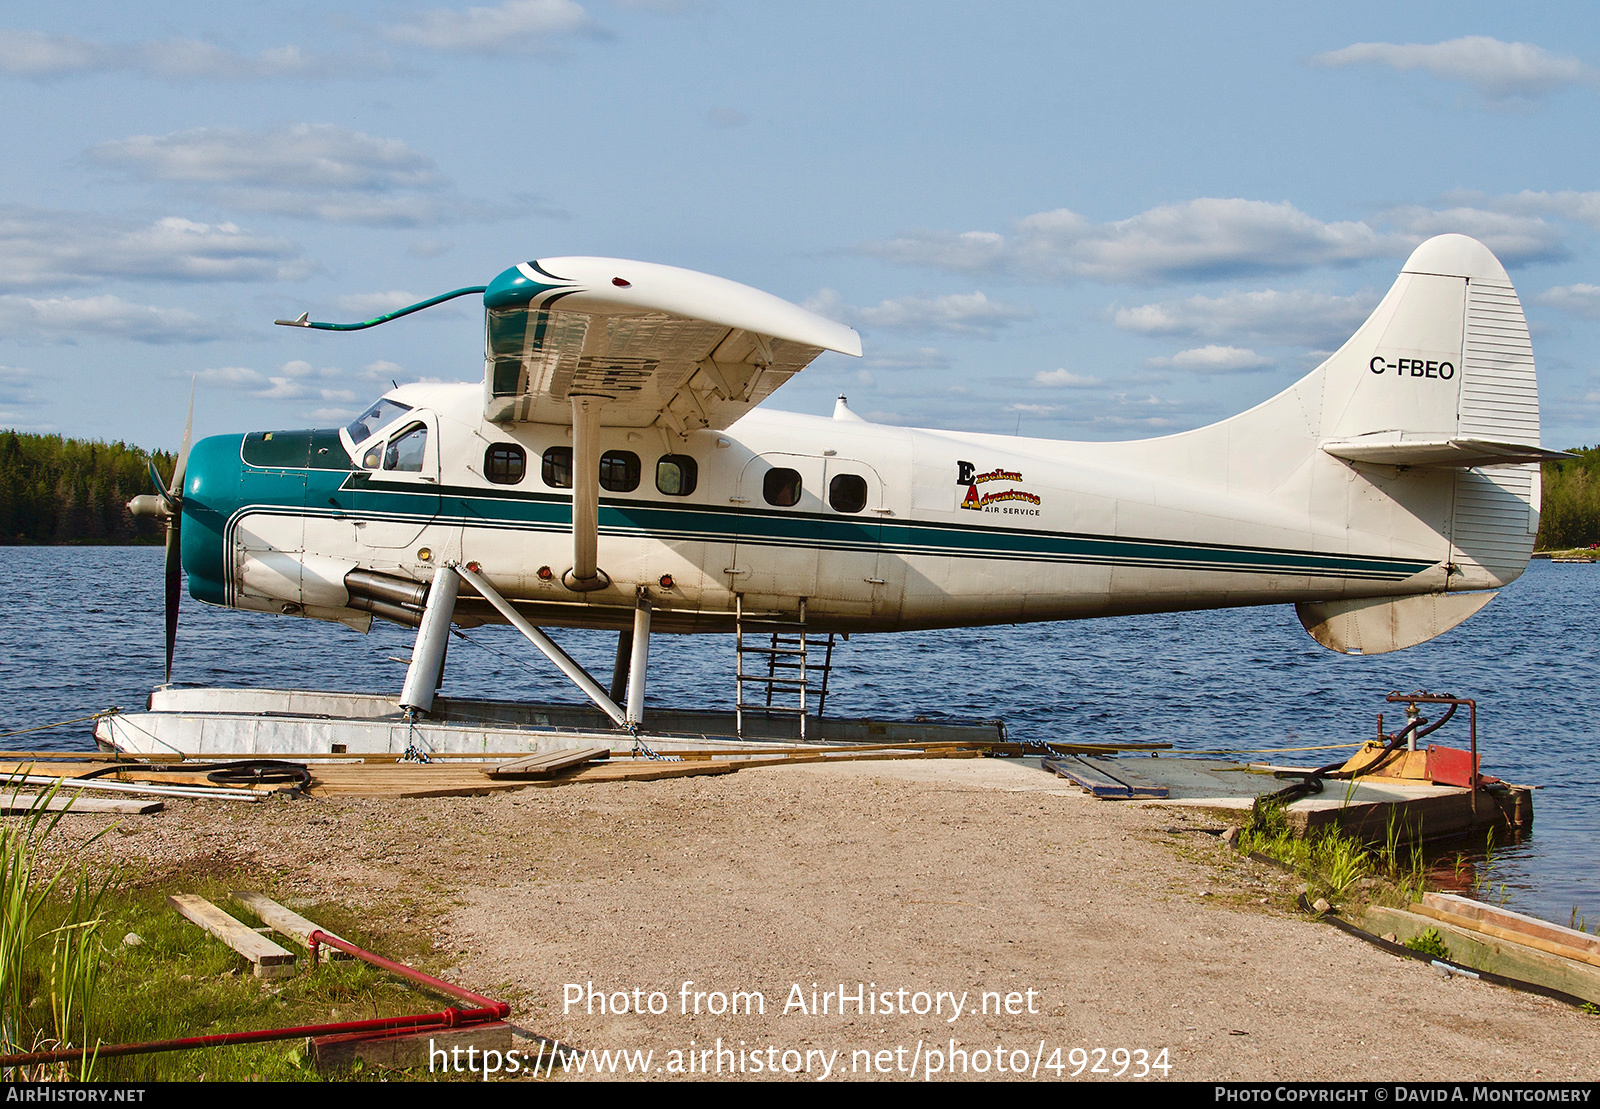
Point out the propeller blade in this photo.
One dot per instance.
(175, 492)
(174, 569)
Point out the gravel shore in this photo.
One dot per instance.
(947, 885)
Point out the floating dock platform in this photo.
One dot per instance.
(284, 723)
(1362, 807)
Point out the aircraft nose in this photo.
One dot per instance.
(211, 497)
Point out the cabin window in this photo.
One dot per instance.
(848, 493)
(677, 475)
(781, 487)
(556, 467)
(505, 463)
(619, 471)
(406, 449)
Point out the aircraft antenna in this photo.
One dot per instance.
(303, 321)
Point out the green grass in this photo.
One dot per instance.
(67, 978)
(1337, 865)
(1429, 943)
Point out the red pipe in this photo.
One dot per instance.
(498, 1009)
(489, 1010)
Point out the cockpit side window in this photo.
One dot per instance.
(375, 418)
(406, 449)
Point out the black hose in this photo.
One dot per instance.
(246, 772)
(1311, 781)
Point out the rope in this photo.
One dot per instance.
(112, 711)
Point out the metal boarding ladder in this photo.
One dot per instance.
(788, 652)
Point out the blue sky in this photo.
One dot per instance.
(1083, 222)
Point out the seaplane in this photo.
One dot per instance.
(616, 468)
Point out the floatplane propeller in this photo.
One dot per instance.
(166, 504)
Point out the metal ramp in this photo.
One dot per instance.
(774, 668)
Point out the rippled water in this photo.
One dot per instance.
(83, 631)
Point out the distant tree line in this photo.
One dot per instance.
(55, 490)
(1570, 515)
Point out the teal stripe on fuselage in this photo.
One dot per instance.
(522, 511)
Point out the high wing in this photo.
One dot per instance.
(654, 344)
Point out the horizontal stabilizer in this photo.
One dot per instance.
(1377, 625)
(1393, 449)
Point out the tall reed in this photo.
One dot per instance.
(50, 937)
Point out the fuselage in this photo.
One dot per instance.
(876, 527)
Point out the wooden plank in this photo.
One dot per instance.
(287, 922)
(1498, 956)
(23, 803)
(547, 762)
(1490, 927)
(1099, 783)
(644, 771)
(268, 959)
(409, 1049)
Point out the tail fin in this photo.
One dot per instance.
(1440, 380)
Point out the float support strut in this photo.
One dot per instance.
(641, 652)
(619, 669)
(586, 574)
(426, 671)
(554, 653)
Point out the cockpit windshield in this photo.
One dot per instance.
(374, 418)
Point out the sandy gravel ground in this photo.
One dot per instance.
(1121, 925)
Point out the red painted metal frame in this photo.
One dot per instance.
(488, 1010)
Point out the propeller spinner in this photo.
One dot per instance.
(166, 503)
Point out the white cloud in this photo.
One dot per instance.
(959, 313)
(16, 387)
(663, 7)
(1498, 70)
(1577, 300)
(382, 370)
(1214, 359)
(1206, 239)
(309, 170)
(291, 382)
(66, 319)
(333, 415)
(1064, 378)
(514, 27)
(1513, 238)
(41, 247)
(922, 358)
(367, 305)
(1279, 318)
(40, 55)
(1198, 239)
(1033, 409)
(1578, 207)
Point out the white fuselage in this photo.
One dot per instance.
(952, 529)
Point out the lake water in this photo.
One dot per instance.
(82, 631)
